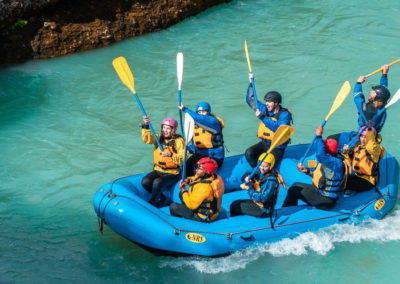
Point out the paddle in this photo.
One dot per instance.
(392, 101)
(179, 74)
(340, 98)
(380, 69)
(189, 126)
(250, 72)
(125, 75)
(282, 134)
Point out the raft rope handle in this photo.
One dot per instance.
(104, 211)
(100, 219)
(228, 236)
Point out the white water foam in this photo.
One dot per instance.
(320, 242)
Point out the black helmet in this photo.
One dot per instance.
(382, 93)
(273, 96)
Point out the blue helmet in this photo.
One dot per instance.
(203, 106)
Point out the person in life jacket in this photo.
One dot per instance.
(327, 178)
(166, 161)
(263, 191)
(373, 110)
(271, 115)
(207, 136)
(362, 161)
(202, 202)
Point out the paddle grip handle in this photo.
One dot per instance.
(151, 127)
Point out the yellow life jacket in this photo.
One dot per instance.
(363, 164)
(257, 187)
(207, 139)
(165, 162)
(211, 206)
(264, 132)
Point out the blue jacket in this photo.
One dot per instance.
(268, 186)
(284, 118)
(208, 122)
(335, 165)
(378, 119)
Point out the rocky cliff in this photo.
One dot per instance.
(50, 28)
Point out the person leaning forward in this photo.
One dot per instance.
(202, 202)
(263, 191)
(166, 161)
(327, 178)
(271, 115)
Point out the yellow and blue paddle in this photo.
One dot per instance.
(125, 74)
(281, 135)
(340, 98)
(250, 72)
(179, 74)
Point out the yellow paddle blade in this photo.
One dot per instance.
(282, 134)
(247, 55)
(124, 72)
(340, 97)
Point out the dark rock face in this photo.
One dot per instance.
(50, 28)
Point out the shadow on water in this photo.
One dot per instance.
(21, 95)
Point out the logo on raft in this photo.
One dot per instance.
(195, 238)
(379, 204)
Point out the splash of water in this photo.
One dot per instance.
(320, 242)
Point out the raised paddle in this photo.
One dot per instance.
(392, 101)
(189, 126)
(125, 74)
(340, 98)
(250, 72)
(179, 74)
(380, 69)
(281, 135)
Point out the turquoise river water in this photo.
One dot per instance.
(69, 125)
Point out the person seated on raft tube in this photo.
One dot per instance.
(207, 136)
(167, 162)
(272, 115)
(373, 110)
(263, 191)
(202, 202)
(327, 178)
(362, 160)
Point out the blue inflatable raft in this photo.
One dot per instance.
(123, 206)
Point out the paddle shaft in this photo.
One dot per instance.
(281, 135)
(312, 143)
(254, 92)
(250, 72)
(180, 111)
(151, 127)
(184, 163)
(380, 69)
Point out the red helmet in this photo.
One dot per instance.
(210, 165)
(331, 146)
(170, 122)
